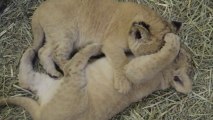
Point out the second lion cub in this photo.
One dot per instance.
(67, 25)
(86, 90)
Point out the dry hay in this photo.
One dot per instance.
(196, 33)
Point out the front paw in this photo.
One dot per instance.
(172, 42)
(122, 84)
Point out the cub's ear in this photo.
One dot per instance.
(143, 24)
(177, 25)
(182, 83)
(139, 31)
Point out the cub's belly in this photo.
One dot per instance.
(99, 75)
(105, 100)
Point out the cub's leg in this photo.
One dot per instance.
(46, 60)
(118, 60)
(63, 47)
(28, 78)
(146, 67)
(26, 69)
(76, 66)
(56, 51)
(61, 53)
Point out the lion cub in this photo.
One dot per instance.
(86, 91)
(75, 23)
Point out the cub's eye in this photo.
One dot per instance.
(178, 80)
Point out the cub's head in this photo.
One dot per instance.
(178, 73)
(147, 38)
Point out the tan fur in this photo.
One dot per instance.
(86, 92)
(72, 24)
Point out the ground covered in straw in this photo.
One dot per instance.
(196, 33)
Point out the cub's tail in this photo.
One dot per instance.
(27, 103)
